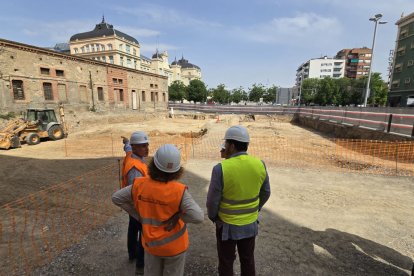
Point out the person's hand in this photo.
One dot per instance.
(124, 139)
(171, 222)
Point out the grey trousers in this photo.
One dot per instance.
(164, 266)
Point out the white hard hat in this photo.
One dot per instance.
(167, 158)
(139, 137)
(238, 133)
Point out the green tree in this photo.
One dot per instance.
(327, 92)
(221, 94)
(238, 95)
(176, 91)
(379, 90)
(344, 86)
(256, 92)
(309, 90)
(358, 90)
(270, 94)
(196, 91)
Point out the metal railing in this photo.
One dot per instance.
(392, 120)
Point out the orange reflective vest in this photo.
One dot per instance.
(156, 202)
(130, 163)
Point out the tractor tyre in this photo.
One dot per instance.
(56, 132)
(32, 139)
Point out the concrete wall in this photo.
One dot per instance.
(347, 132)
(73, 79)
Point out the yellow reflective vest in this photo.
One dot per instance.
(243, 176)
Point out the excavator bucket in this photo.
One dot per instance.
(5, 141)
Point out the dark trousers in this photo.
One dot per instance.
(135, 249)
(227, 254)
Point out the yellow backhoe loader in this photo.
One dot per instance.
(38, 123)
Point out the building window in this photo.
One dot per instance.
(111, 59)
(127, 48)
(60, 73)
(83, 93)
(120, 47)
(62, 92)
(109, 46)
(18, 92)
(134, 51)
(143, 96)
(47, 91)
(100, 94)
(121, 95)
(164, 99)
(76, 50)
(120, 81)
(129, 63)
(151, 85)
(115, 80)
(44, 71)
(152, 97)
(121, 59)
(410, 63)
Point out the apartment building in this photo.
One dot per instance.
(320, 68)
(402, 79)
(357, 61)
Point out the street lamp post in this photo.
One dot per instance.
(376, 19)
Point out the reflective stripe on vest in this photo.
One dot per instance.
(169, 239)
(239, 211)
(243, 201)
(243, 176)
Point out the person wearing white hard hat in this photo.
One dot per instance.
(164, 207)
(239, 188)
(136, 149)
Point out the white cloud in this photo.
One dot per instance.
(163, 15)
(285, 30)
(137, 32)
(151, 48)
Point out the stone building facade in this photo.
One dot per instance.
(107, 44)
(36, 77)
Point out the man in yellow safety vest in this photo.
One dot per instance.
(238, 189)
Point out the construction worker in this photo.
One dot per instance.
(136, 149)
(164, 206)
(238, 189)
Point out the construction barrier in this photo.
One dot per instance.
(36, 228)
(346, 155)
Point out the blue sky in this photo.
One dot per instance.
(236, 43)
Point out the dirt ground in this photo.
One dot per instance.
(316, 222)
